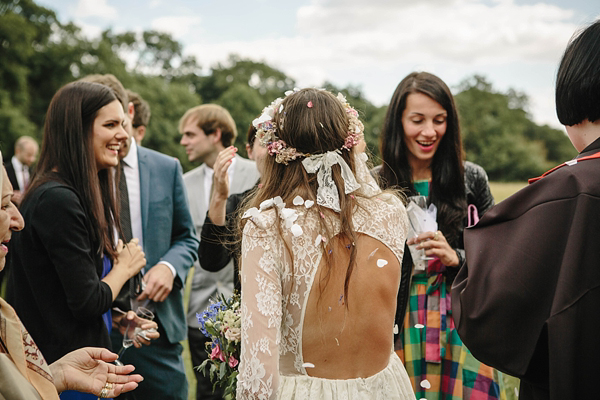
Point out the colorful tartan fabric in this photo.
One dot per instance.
(435, 353)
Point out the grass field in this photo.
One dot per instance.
(502, 190)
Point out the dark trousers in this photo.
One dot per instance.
(161, 365)
(204, 387)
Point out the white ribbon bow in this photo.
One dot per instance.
(327, 193)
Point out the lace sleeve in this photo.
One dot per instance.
(261, 313)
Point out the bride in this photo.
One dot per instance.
(322, 247)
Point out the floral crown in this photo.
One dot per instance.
(266, 129)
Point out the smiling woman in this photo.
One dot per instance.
(422, 153)
(68, 269)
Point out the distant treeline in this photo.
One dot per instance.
(39, 54)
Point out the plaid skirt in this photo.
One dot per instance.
(437, 362)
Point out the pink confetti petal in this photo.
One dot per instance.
(309, 105)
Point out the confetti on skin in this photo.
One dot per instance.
(425, 384)
(309, 104)
(318, 240)
(372, 253)
(308, 203)
(348, 246)
(330, 251)
(298, 201)
(419, 326)
(329, 308)
(308, 365)
(396, 329)
(381, 263)
(341, 300)
(337, 341)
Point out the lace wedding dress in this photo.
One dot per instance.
(299, 340)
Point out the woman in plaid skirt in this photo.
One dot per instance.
(422, 153)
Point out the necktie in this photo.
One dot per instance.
(125, 217)
(133, 287)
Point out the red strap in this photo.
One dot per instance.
(572, 162)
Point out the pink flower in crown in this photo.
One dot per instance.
(352, 111)
(276, 147)
(351, 141)
(233, 362)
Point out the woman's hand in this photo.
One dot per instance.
(436, 245)
(88, 370)
(130, 257)
(148, 329)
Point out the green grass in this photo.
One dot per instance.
(502, 190)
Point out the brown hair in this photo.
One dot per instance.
(209, 118)
(141, 115)
(315, 130)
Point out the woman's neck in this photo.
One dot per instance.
(421, 172)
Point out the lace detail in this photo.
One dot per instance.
(274, 296)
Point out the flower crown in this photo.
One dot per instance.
(266, 129)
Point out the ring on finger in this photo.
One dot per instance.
(435, 237)
(104, 393)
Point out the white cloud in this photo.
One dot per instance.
(95, 8)
(178, 26)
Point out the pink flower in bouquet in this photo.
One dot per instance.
(217, 354)
(233, 362)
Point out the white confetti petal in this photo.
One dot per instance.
(425, 384)
(298, 201)
(308, 365)
(281, 108)
(296, 230)
(308, 203)
(396, 329)
(318, 240)
(266, 204)
(251, 212)
(381, 263)
(517, 392)
(279, 202)
(419, 326)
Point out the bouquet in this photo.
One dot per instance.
(222, 323)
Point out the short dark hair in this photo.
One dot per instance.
(141, 115)
(578, 78)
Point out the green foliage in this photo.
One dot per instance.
(499, 135)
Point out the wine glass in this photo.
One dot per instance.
(415, 229)
(133, 329)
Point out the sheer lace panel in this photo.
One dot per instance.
(276, 286)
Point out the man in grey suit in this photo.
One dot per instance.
(159, 217)
(207, 130)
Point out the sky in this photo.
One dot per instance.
(372, 44)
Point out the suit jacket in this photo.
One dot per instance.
(55, 284)
(12, 176)
(168, 231)
(527, 301)
(206, 285)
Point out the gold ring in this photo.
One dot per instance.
(104, 393)
(435, 237)
(108, 386)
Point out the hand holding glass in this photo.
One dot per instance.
(136, 330)
(421, 219)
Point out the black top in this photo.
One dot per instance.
(55, 284)
(12, 176)
(478, 193)
(218, 243)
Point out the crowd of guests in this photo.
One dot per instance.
(316, 239)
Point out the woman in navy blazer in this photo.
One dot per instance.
(68, 269)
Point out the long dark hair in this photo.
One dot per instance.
(67, 155)
(447, 189)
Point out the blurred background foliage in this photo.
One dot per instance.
(39, 54)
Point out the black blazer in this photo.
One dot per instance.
(55, 284)
(12, 176)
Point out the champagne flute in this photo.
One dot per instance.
(418, 256)
(143, 315)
